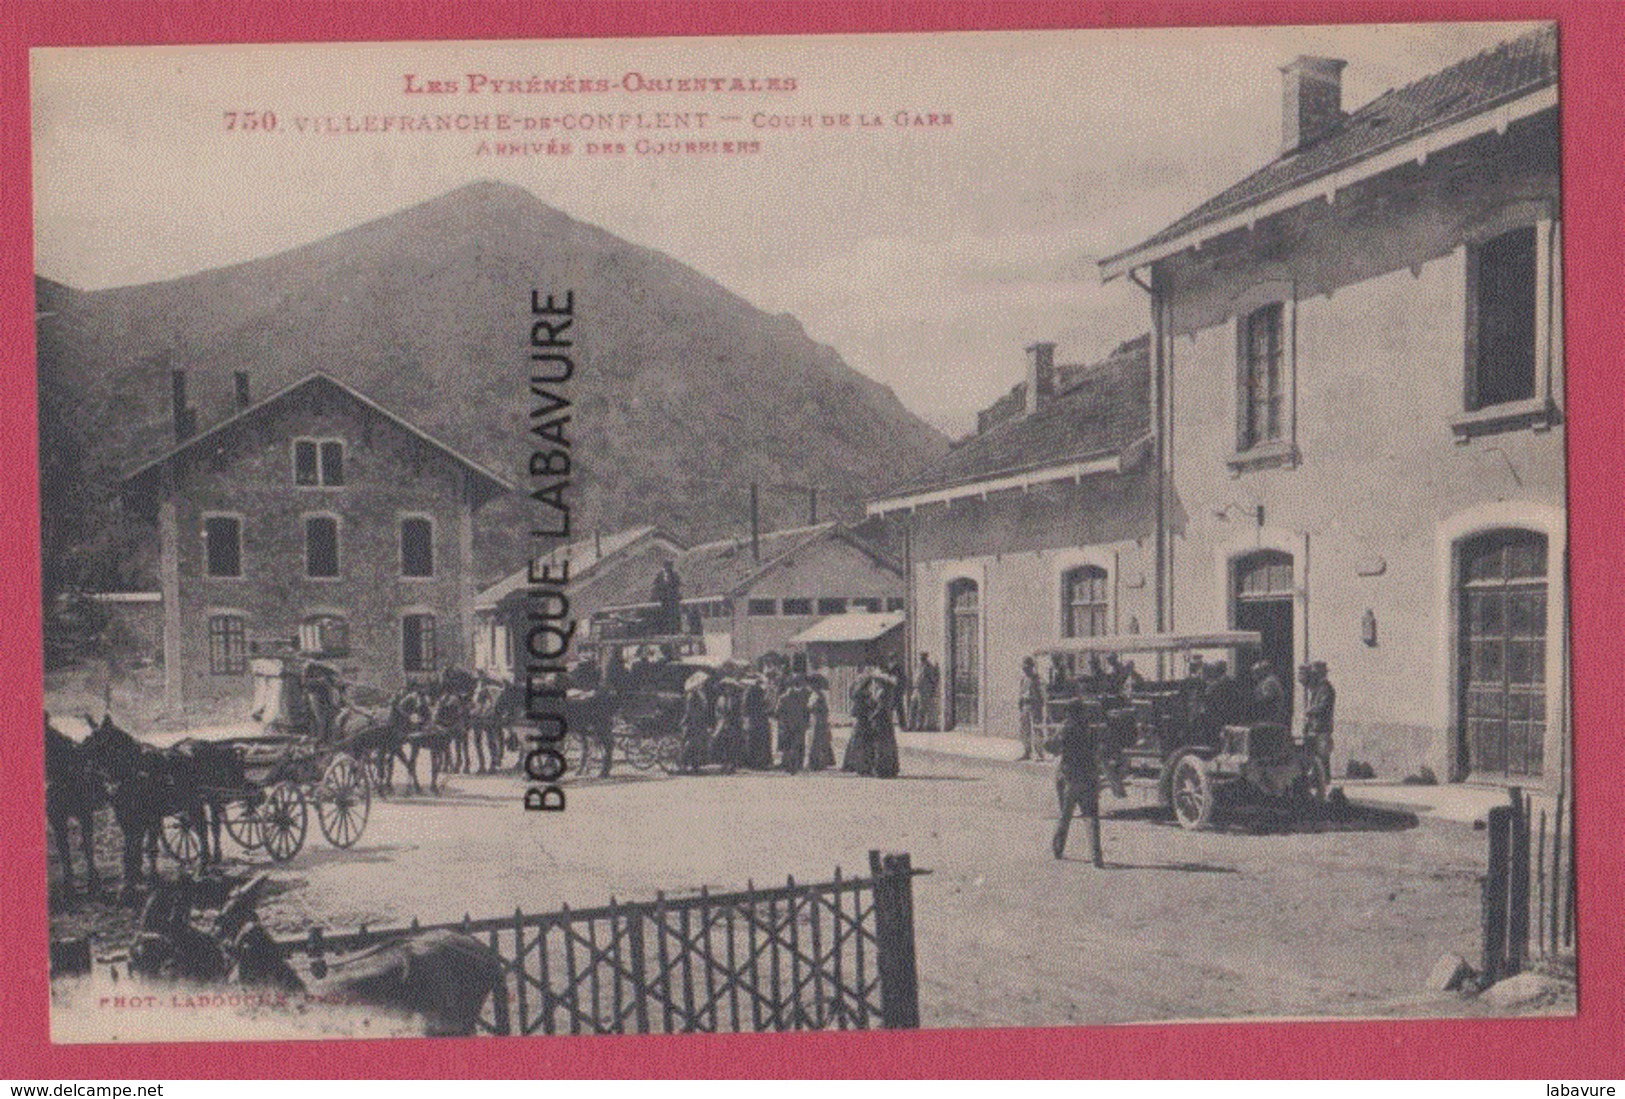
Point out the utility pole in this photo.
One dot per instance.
(755, 527)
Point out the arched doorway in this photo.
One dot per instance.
(964, 654)
(1263, 601)
(1501, 612)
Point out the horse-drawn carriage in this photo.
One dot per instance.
(305, 757)
(1198, 760)
(641, 714)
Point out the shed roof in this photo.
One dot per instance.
(1479, 84)
(584, 557)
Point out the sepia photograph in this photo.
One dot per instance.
(803, 533)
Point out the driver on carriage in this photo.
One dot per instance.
(324, 697)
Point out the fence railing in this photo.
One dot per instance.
(1528, 891)
(832, 955)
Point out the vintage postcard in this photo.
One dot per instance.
(644, 536)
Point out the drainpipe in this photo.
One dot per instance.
(1159, 411)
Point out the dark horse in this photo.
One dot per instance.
(146, 784)
(444, 977)
(73, 792)
(491, 719)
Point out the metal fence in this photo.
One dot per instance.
(836, 955)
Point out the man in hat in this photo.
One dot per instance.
(1320, 700)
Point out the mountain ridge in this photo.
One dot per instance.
(685, 392)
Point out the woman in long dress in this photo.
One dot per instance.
(859, 757)
(758, 732)
(696, 726)
(820, 750)
(728, 743)
(885, 736)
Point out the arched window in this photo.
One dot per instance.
(1502, 616)
(1085, 602)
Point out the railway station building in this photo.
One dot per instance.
(1357, 394)
(1035, 530)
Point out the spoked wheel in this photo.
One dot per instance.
(642, 750)
(343, 800)
(669, 752)
(285, 820)
(244, 823)
(1191, 792)
(181, 838)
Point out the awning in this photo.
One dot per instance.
(864, 626)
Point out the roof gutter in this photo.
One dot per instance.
(1108, 463)
(1326, 185)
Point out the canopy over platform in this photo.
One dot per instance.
(1154, 643)
(849, 627)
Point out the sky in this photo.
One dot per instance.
(928, 256)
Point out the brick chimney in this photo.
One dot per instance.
(1311, 100)
(1040, 375)
(244, 397)
(185, 418)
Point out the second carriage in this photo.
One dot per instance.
(293, 766)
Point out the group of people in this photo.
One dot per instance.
(770, 715)
(757, 719)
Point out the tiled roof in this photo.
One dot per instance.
(1470, 87)
(492, 483)
(1106, 409)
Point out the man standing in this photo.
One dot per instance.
(1030, 701)
(930, 681)
(899, 692)
(1320, 700)
(1077, 779)
(793, 712)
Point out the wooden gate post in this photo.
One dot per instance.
(1518, 887)
(894, 932)
(1495, 894)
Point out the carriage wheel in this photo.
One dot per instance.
(244, 823)
(181, 839)
(669, 751)
(642, 750)
(343, 800)
(1191, 791)
(285, 818)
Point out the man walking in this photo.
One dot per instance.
(1077, 779)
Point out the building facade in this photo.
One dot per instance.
(312, 521)
(1358, 390)
(1035, 530)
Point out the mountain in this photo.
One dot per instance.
(684, 394)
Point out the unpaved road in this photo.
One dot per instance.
(1260, 919)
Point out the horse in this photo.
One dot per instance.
(145, 784)
(495, 709)
(445, 977)
(73, 792)
(436, 718)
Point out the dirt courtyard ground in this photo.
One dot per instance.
(1259, 919)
